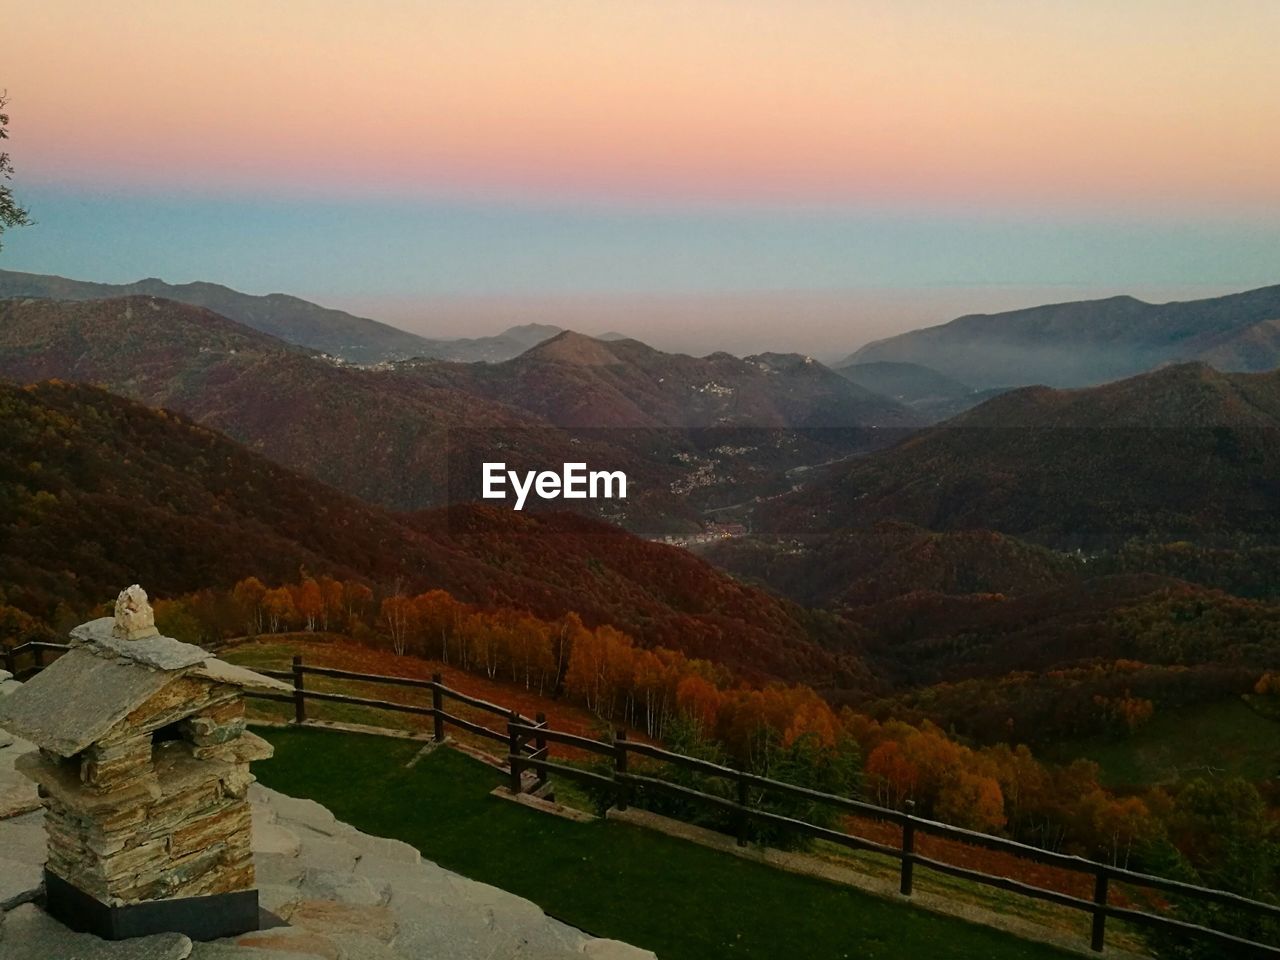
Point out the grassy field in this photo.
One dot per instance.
(681, 900)
(1228, 737)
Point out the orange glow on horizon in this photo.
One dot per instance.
(1157, 102)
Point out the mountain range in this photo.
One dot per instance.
(1089, 342)
(714, 427)
(1182, 452)
(334, 332)
(1041, 531)
(573, 380)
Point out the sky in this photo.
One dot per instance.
(751, 174)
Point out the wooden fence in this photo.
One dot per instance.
(528, 742)
(441, 717)
(36, 651)
(622, 782)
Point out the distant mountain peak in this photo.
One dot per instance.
(569, 346)
(532, 333)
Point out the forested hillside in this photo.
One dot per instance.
(1182, 453)
(96, 491)
(413, 435)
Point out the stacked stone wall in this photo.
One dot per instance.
(131, 820)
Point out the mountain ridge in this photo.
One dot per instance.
(1084, 343)
(289, 318)
(412, 435)
(574, 380)
(1184, 451)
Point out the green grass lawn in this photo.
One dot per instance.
(1228, 737)
(681, 900)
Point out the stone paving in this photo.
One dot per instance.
(342, 894)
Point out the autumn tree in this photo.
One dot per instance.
(585, 677)
(1113, 827)
(175, 619)
(309, 602)
(1221, 835)
(529, 653)
(971, 800)
(439, 615)
(565, 636)
(357, 598)
(17, 627)
(248, 595)
(277, 605)
(331, 595)
(400, 618)
(788, 732)
(699, 701)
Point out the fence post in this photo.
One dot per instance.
(908, 848)
(37, 653)
(513, 752)
(741, 814)
(437, 704)
(620, 766)
(299, 696)
(540, 745)
(1099, 911)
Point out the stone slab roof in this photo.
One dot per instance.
(220, 671)
(75, 700)
(163, 653)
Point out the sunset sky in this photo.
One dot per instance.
(416, 160)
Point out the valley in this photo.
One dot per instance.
(982, 599)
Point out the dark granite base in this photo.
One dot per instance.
(200, 918)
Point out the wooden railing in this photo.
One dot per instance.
(529, 748)
(36, 650)
(528, 742)
(623, 782)
(441, 717)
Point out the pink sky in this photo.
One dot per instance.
(741, 174)
(1149, 104)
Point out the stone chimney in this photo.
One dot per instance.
(143, 764)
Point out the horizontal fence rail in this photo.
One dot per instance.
(441, 717)
(529, 741)
(912, 826)
(36, 650)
